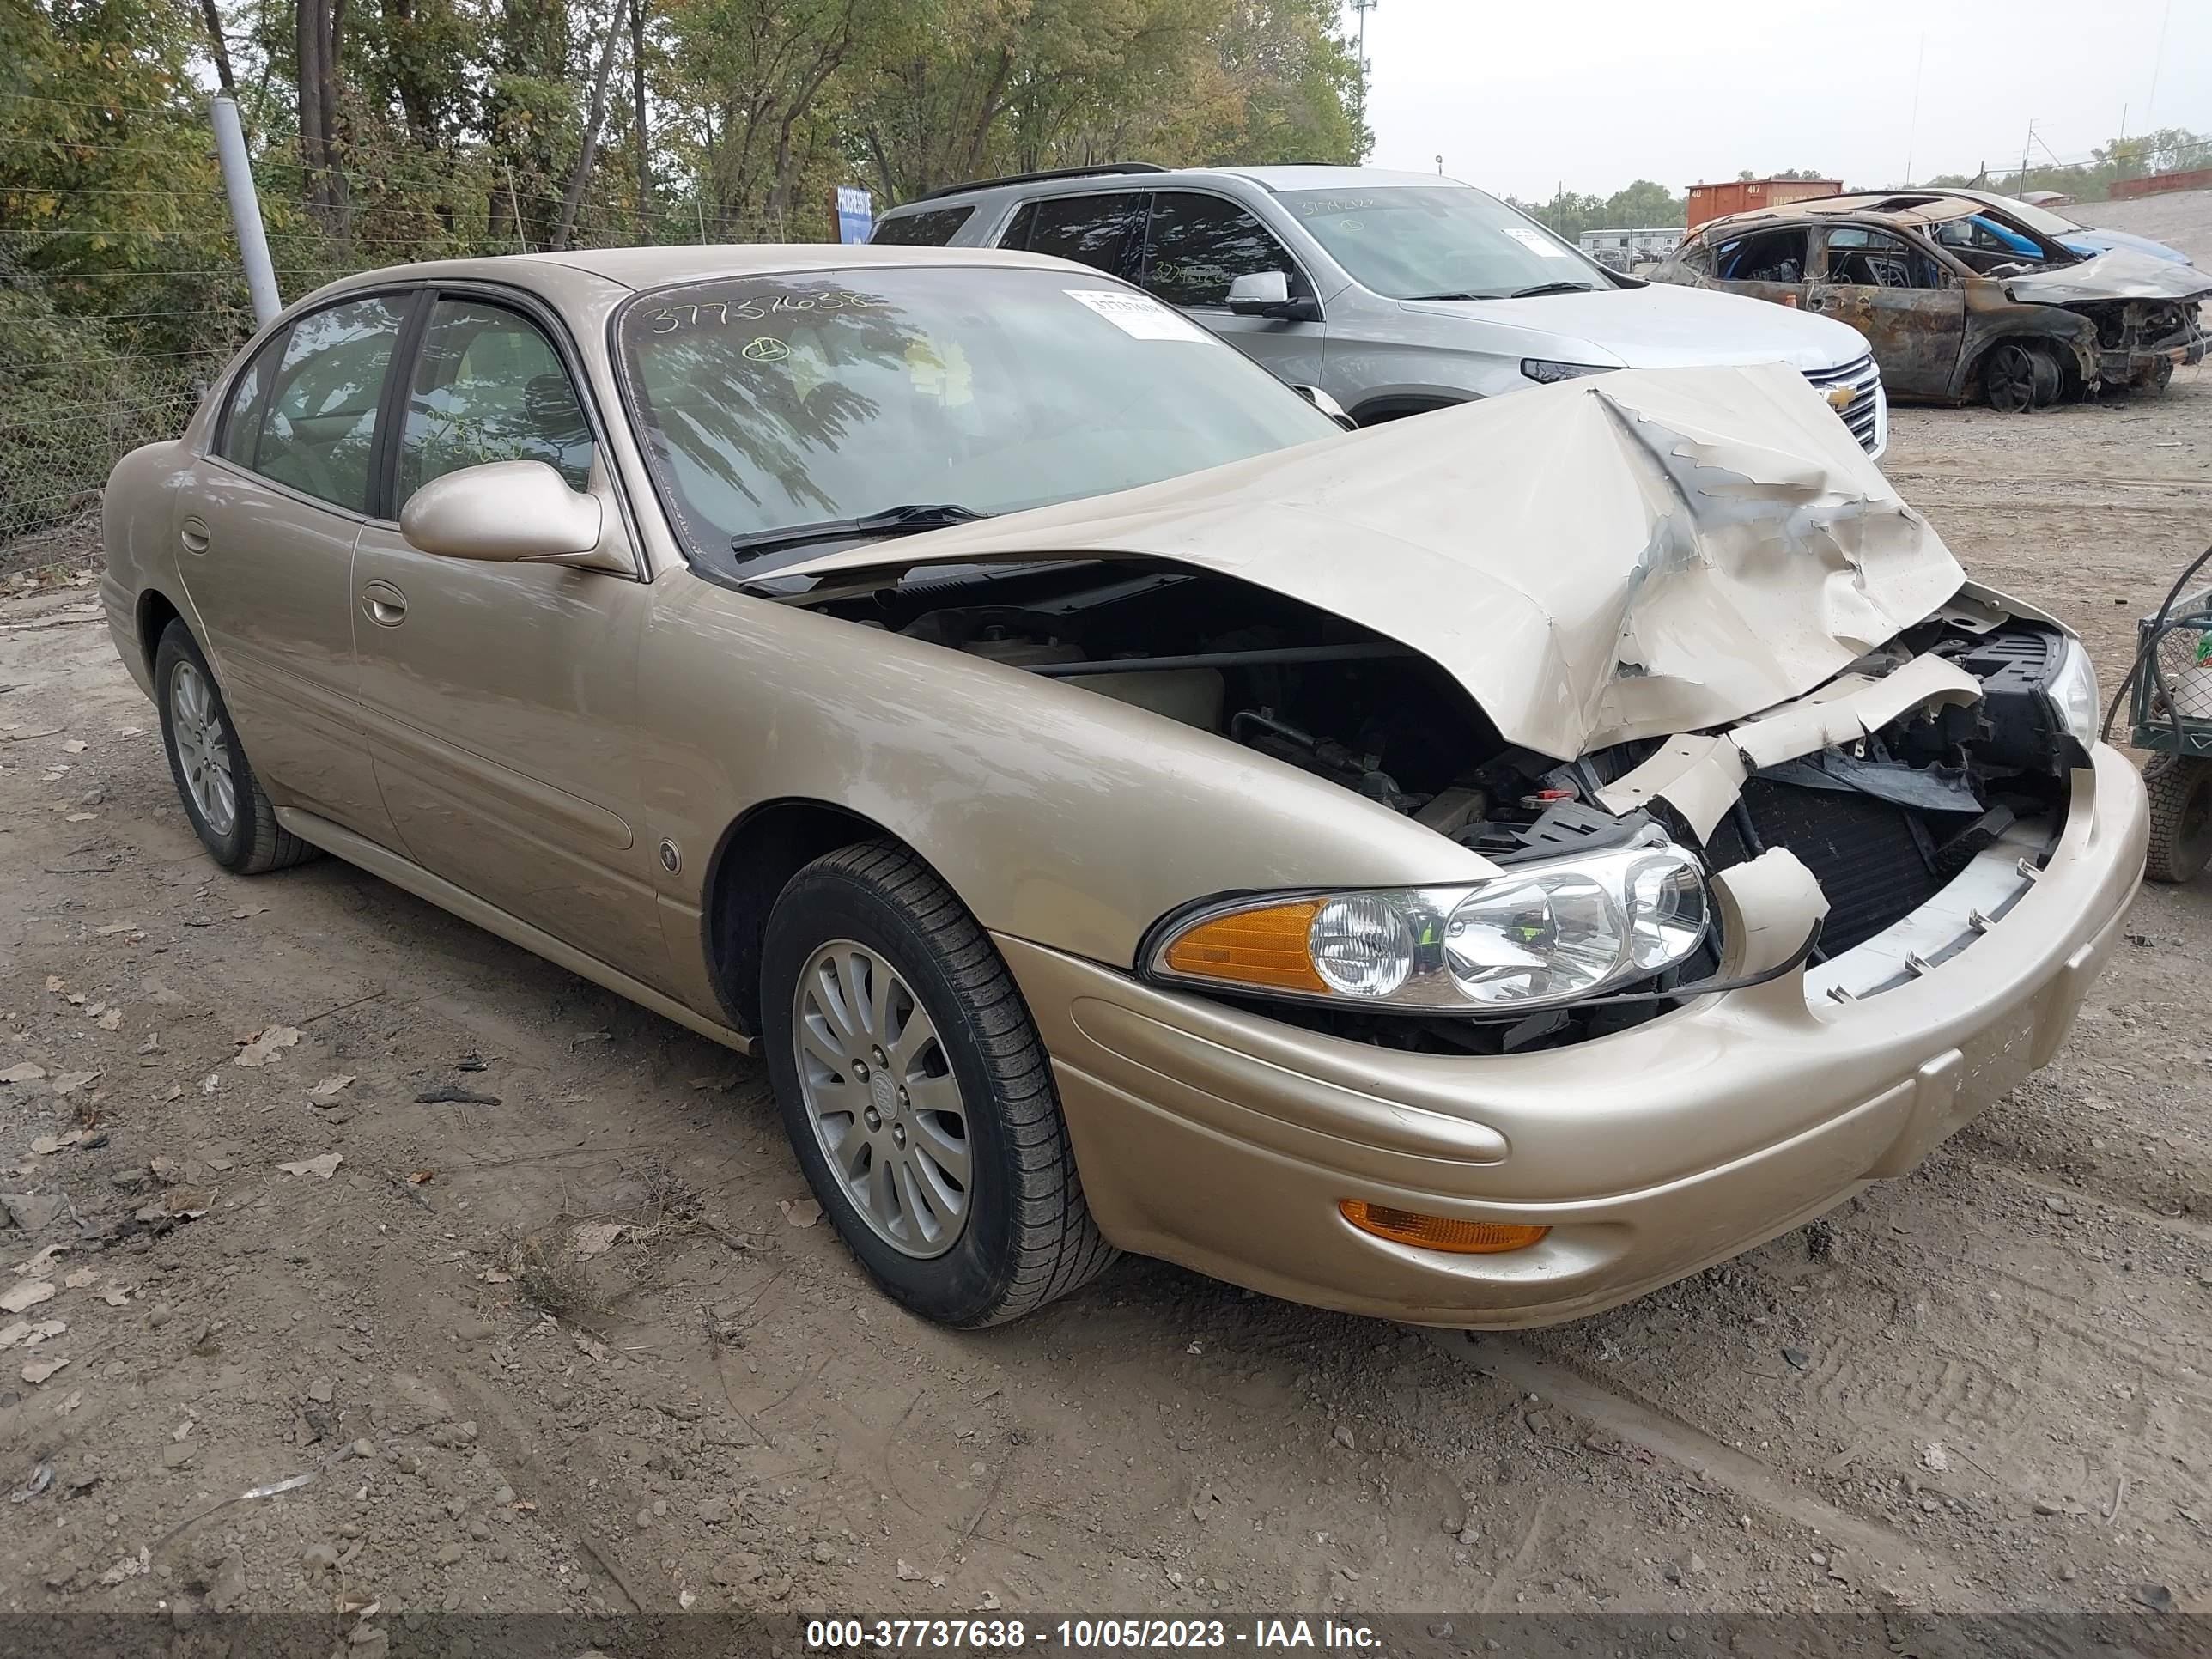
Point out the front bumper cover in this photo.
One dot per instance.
(1223, 1140)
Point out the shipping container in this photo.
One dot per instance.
(1751, 195)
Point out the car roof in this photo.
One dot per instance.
(657, 267)
(1071, 182)
(1905, 208)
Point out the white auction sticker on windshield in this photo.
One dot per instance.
(1135, 314)
(1536, 242)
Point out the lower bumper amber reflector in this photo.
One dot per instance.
(1438, 1232)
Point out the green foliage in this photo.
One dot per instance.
(457, 127)
(1642, 205)
(2169, 150)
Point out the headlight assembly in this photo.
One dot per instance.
(2072, 689)
(1533, 936)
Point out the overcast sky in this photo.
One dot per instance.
(1518, 97)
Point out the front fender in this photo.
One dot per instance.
(1058, 815)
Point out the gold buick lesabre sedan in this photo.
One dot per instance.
(1469, 871)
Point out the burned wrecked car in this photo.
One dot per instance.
(1470, 870)
(1962, 302)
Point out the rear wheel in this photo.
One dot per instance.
(2011, 374)
(2180, 816)
(233, 819)
(917, 1094)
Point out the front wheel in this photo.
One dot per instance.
(917, 1094)
(2016, 377)
(2180, 789)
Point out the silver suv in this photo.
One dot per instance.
(1394, 292)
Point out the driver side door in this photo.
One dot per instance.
(499, 697)
(1901, 297)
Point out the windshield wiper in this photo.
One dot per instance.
(1455, 296)
(892, 521)
(1553, 287)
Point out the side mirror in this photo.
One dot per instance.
(1327, 406)
(507, 511)
(1267, 294)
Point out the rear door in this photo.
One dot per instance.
(1901, 297)
(1770, 263)
(499, 697)
(267, 532)
(1195, 244)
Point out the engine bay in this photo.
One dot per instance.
(1882, 823)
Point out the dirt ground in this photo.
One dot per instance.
(320, 1163)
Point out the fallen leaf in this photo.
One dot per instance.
(80, 817)
(179, 1204)
(45, 1145)
(38, 1371)
(326, 1166)
(14, 1333)
(800, 1212)
(115, 927)
(113, 1295)
(25, 1072)
(73, 746)
(81, 1277)
(264, 1048)
(28, 1294)
(596, 1238)
(496, 1276)
(111, 1020)
(39, 1265)
(331, 1087)
(420, 1177)
(66, 1082)
(54, 982)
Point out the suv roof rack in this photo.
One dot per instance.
(1039, 178)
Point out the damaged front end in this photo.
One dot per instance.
(2139, 319)
(1709, 708)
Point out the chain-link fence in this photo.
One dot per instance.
(120, 304)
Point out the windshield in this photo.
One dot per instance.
(767, 402)
(2034, 217)
(1428, 241)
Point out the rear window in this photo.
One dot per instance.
(1091, 230)
(934, 229)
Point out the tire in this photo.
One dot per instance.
(202, 742)
(1022, 1235)
(2180, 789)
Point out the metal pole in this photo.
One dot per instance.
(245, 210)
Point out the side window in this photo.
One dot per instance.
(1194, 245)
(934, 228)
(242, 418)
(489, 386)
(1766, 256)
(1091, 230)
(1860, 258)
(319, 431)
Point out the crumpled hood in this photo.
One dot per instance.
(1631, 555)
(2121, 274)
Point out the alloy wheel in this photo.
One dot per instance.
(196, 726)
(881, 1098)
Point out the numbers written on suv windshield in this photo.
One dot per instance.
(720, 313)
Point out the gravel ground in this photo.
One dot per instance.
(524, 1280)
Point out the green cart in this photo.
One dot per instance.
(2170, 707)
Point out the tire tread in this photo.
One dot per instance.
(1057, 1247)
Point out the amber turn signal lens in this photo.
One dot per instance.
(1264, 948)
(1438, 1232)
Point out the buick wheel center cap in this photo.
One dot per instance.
(883, 1095)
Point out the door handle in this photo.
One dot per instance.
(193, 533)
(385, 605)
